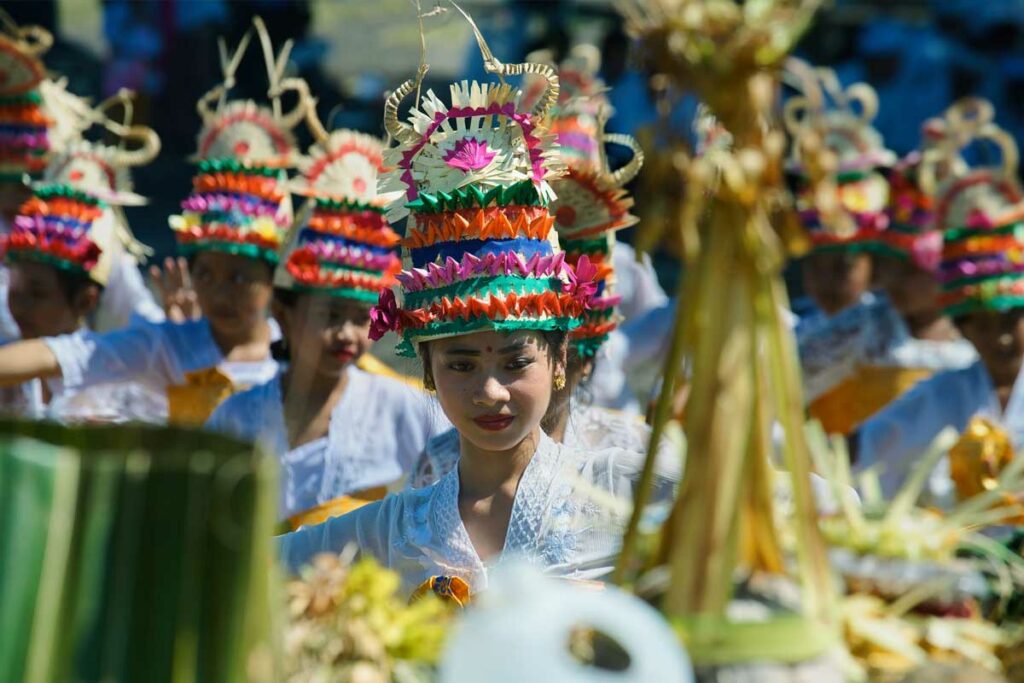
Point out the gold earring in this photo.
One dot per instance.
(428, 383)
(559, 382)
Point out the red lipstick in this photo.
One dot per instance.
(494, 423)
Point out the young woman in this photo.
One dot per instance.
(591, 205)
(231, 228)
(978, 211)
(487, 302)
(342, 434)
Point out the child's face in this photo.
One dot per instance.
(495, 387)
(836, 279)
(999, 340)
(41, 304)
(325, 332)
(233, 291)
(913, 291)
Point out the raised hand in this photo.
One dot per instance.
(174, 285)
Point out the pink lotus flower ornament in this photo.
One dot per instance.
(582, 281)
(469, 154)
(384, 316)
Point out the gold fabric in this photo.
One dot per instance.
(842, 409)
(191, 404)
(335, 507)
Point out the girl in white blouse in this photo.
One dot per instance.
(487, 301)
(342, 434)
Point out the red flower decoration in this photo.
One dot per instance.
(384, 316)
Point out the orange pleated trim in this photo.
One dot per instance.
(494, 222)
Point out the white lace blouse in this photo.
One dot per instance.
(561, 519)
(589, 428)
(376, 432)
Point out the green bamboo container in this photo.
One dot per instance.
(132, 553)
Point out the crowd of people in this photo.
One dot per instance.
(482, 237)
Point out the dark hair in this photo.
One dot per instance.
(72, 284)
(555, 339)
(191, 260)
(279, 349)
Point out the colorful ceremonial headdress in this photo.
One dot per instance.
(590, 204)
(240, 203)
(479, 251)
(24, 122)
(980, 211)
(236, 207)
(575, 119)
(343, 245)
(66, 228)
(850, 211)
(911, 234)
(72, 221)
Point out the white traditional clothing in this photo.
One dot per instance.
(589, 428)
(558, 520)
(162, 357)
(107, 403)
(377, 430)
(897, 436)
(856, 362)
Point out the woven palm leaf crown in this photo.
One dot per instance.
(980, 211)
(860, 200)
(66, 228)
(344, 245)
(71, 221)
(480, 251)
(590, 203)
(240, 202)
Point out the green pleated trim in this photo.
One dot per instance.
(603, 314)
(588, 348)
(786, 638)
(523, 193)
(362, 296)
(235, 166)
(67, 192)
(598, 246)
(31, 97)
(407, 347)
(954, 285)
(1015, 229)
(480, 287)
(63, 265)
(996, 304)
(235, 249)
(346, 205)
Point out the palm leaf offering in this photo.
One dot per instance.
(348, 623)
(134, 553)
(730, 328)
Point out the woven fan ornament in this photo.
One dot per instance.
(343, 245)
(245, 130)
(980, 211)
(850, 212)
(480, 252)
